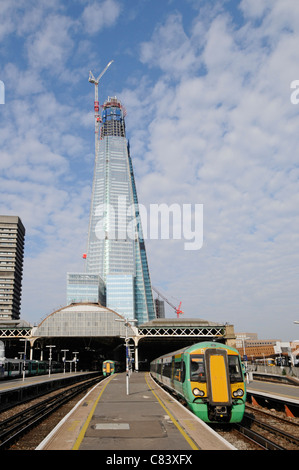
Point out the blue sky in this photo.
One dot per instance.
(206, 86)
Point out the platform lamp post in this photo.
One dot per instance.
(64, 358)
(126, 321)
(75, 359)
(245, 357)
(24, 358)
(50, 356)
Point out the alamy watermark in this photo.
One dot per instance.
(2, 92)
(295, 95)
(156, 222)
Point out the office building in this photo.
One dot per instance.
(160, 308)
(12, 237)
(115, 249)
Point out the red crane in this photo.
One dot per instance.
(177, 309)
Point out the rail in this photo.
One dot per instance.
(15, 426)
(246, 428)
(257, 438)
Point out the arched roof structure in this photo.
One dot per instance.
(97, 332)
(83, 320)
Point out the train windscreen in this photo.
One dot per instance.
(197, 368)
(234, 368)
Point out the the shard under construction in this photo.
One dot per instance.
(116, 270)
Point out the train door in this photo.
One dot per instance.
(218, 378)
(172, 372)
(108, 368)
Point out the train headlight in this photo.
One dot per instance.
(238, 393)
(198, 393)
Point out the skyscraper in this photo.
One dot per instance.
(116, 256)
(12, 235)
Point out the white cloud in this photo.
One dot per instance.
(170, 48)
(49, 47)
(97, 16)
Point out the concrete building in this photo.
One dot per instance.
(160, 308)
(249, 345)
(12, 237)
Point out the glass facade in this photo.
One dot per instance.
(82, 287)
(116, 250)
(120, 294)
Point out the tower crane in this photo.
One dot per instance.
(97, 118)
(177, 309)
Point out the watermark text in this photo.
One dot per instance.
(295, 95)
(2, 92)
(123, 221)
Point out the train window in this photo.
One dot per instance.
(234, 367)
(177, 371)
(166, 369)
(197, 368)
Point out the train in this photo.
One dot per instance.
(267, 361)
(208, 377)
(109, 367)
(14, 368)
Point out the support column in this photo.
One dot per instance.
(31, 342)
(136, 340)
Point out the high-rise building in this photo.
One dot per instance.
(115, 249)
(160, 308)
(12, 237)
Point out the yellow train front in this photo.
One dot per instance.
(208, 377)
(108, 368)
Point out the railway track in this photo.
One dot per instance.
(270, 431)
(12, 428)
(261, 430)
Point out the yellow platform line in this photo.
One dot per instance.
(86, 424)
(184, 434)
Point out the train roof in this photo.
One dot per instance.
(203, 344)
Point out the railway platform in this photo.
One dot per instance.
(16, 383)
(16, 390)
(284, 395)
(284, 391)
(147, 418)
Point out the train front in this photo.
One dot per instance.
(217, 385)
(108, 368)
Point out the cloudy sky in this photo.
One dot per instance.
(207, 89)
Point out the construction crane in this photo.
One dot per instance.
(177, 309)
(97, 118)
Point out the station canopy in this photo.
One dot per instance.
(82, 320)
